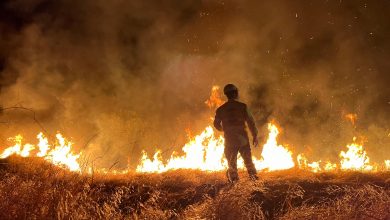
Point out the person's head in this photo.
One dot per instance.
(231, 91)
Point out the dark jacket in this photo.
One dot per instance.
(231, 118)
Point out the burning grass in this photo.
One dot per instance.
(35, 189)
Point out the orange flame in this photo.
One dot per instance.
(387, 164)
(59, 155)
(275, 157)
(302, 161)
(304, 164)
(355, 158)
(205, 152)
(351, 117)
(215, 99)
(330, 166)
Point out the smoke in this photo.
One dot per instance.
(122, 76)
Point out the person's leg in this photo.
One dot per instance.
(246, 154)
(231, 157)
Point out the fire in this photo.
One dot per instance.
(275, 157)
(351, 117)
(315, 166)
(215, 99)
(355, 158)
(302, 161)
(304, 164)
(59, 155)
(387, 164)
(330, 166)
(16, 149)
(205, 152)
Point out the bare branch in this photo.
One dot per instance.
(116, 162)
(33, 116)
(89, 141)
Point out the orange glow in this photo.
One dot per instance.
(215, 99)
(202, 152)
(330, 166)
(275, 156)
(351, 117)
(387, 164)
(355, 158)
(59, 155)
(205, 152)
(313, 166)
(302, 161)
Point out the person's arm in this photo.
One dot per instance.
(252, 126)
(218, 121)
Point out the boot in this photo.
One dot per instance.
(231, 178)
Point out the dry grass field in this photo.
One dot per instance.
(33, 189)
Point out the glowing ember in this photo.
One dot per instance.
(355, 158)
(60, 155)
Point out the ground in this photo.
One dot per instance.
(34, 189)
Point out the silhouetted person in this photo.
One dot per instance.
(231, 118)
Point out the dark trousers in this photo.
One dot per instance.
(231, 152)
